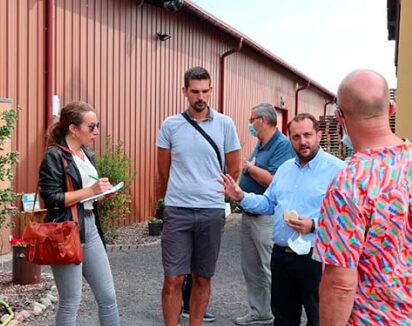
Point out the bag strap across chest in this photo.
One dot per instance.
(207, 137)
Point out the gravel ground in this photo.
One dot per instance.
(138, 277)
(21, 297)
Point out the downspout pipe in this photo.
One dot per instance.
(333, 101)
(49, 46)
(222, 73)
(297, 96)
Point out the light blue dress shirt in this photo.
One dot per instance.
(295, 188)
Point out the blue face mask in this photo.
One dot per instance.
(347, 141)
(252, 130)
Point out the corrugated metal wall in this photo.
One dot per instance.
(107, 53)
(22, 72)
(251, 80)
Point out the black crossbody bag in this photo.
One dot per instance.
(207, 137)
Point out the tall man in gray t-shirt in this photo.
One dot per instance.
(194, 209)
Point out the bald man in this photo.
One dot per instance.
(364, 235)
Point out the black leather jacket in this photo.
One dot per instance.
(52, 182)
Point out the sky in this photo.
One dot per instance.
(324, 39)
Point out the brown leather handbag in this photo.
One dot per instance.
(55, 243)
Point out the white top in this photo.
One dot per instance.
(86, 169)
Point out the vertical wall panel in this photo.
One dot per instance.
(22, 80)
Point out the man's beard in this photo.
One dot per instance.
(310, 157)
(200, 109)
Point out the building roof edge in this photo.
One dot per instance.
(216, 22)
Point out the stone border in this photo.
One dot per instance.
(47, 302)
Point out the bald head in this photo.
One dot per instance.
(364, 94)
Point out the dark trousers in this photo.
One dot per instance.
(186, 288)
(295, 282)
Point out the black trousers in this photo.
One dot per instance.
(295, 282)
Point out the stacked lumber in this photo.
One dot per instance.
(331, 137)
(392, 119)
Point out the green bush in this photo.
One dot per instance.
(114, 164)
(8, 197)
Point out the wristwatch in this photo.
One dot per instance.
(312, 230)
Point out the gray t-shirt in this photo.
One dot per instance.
(194, 166)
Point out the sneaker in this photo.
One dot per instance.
(185, 314)
(252, 320)
(208, 318)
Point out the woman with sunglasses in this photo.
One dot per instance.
(69, 137)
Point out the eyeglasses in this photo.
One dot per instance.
(251, 120)
(93, 126)
(339, 112)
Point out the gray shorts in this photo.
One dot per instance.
(191, 240)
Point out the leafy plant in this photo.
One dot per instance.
(114, 164)
(8, 119)
(160, 203)
(154, 220)
(233, 204)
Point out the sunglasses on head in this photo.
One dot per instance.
(93, 126)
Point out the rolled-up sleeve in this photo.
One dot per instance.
(260, 204)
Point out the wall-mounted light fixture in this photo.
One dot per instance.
(163, 37)
(282, 102)
(169, 5)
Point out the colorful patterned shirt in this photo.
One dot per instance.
(366, 223)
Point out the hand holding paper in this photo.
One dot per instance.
(112, 190)
(101, 185)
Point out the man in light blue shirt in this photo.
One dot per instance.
(299, 187)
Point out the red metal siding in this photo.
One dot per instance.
(22, 79)
(106, 53)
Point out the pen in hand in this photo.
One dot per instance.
(97, 179)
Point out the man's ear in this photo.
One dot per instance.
(392, 108)
(184, 91)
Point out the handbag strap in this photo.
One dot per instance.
(69, 184)
(206, 136)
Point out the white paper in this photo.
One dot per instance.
(28, 202)
(56, 106)
(228, 210)
(107, 192)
